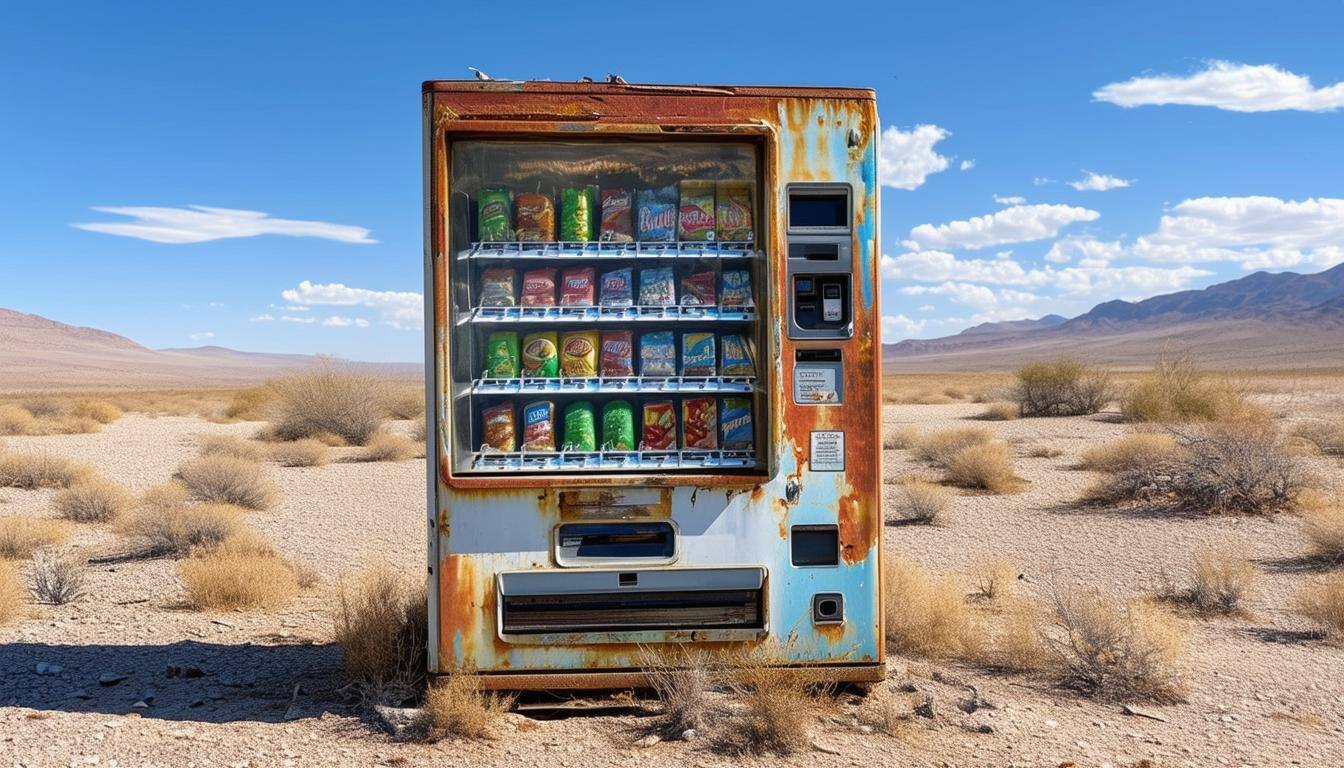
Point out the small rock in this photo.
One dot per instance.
(649, 740)
(397, 720)
(1051, 724)
(689, 734)
(196, 703)
(47, 668)
(142, 704)
(82, 694)
(865, 729)
(984, 728)
(908, 688)
(826, 748)
(925, 709)
(110, 678)
(191, 672)
(148, 695)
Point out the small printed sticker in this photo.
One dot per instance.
(828, 451)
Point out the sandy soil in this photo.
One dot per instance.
(1262, 692)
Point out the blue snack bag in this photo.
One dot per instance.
(657, 354)
(698, 356)
(656, 218)
(735, 421)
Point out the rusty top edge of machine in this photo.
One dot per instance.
(585, 88)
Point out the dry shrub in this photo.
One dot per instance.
(919, 501)
(1323, 526)
(327, 399)
(20, 537)
(57, 580)
(456, 706)
(1060, 387)
(906, 436)
(44, 407)
(1179, 391)
(165, 496)
(939, 448)
(1323, 436)
(994, 578)
(40, 470)
(1018, 644)
(1322, 602)
(249, 404)
(1001, 412)
(886, 711)
(389, 446)
(419, 429)
(1129, 452)
(227, 479)
(1221, 581)
(11, 592)
(931, 398)
(777, 709)
(1045, 452)
(404, 402)
(926, 616)
(17, 421)
(300, 453)
(229, 445)
(100, 411)
(988, 466)
(238, 575)
(92, 500)
(1117, 650)
(956, 393)
(176, 529)
(682, 679)
(382, 627)
(71, 425)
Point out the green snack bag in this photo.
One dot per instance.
(578, 214)
(501, 355)
(493, 215)
(618, 426)
(580, 430)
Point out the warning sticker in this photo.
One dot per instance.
(815, 385)
(828, 451)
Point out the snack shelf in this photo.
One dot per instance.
(689, 314)
(615, 385)
(608, 250)
(598, 461)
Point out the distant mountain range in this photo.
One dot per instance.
(1263, 320)
(38, 353)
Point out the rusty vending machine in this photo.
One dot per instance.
(653, 373)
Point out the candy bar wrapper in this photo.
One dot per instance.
(538, 288)
(539, 426)
(657, 354)
(578, 214)
(656, 211)
(618, 288)
(501, 355)
(697, 289)
(497, 287)
(499, 428)
(534, 216)
(660, 427)
(540, 356)
(617, 354)
(576, 287)
(698, 356)
(736, 424)
(736, 290)
(699, 423)
(733, 211)
(695, 216)
(618, 221)
(578, 354)
(657, 287)
(493, 215)
(738, 356)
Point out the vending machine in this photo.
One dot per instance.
(653, 373)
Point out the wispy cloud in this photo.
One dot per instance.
(202, 335)
(1256, 231)
(202, 223)
(399, 309)
(1230, 86)
(967, 165)
(1017, 224)
(1099, 182)
(907, 158)
(1009, 199)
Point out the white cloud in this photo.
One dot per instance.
(939, 266)
(399, 309)
(203, 335)
(265, 317)
(1017, 224)
(290, 307)
(896, 327)
(1099, 182)
(967, 165)
(1010, 200)
(338, 321)
(1256, 231)
(202, 223)
(907, 158)
(1040, 180)
(1230, 86)
(1090, 252)
(293, 319)
(962, 293)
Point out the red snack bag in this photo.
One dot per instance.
(618, 354)
(699, 423)
(697, 289)
(538, 288)
(576, 287)
(660, 427)
(618, 224)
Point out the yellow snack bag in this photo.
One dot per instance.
(578, 354)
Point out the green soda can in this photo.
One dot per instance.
(580, 429)
(618, 426)
(578, 214)
(493, 215)
(501, 355)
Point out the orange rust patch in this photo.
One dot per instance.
(461, 608)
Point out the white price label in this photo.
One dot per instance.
(828, 451)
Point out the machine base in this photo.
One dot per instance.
(610, 679)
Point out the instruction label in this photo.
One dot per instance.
(828, 451)
(816, 384)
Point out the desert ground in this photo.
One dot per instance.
(1261, 688)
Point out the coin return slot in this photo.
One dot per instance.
(828, 608)
(615, 543)
(628, 580)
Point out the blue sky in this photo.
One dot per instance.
(310, 113)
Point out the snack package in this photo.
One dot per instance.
(617, 356)
(618, 225)
(656, 287)
(656, 211)
(732, 212)
(660, 427)
(498, 428)
(580, 427)
(493, 215)
(699, 423)
(698, 356)
(736, 289)
(738, 356)
(618, 426)
(540, 358)
(576, 287)
(618, 288)
(534, 216)
(578, 214)
(538, 288)
(578, 354)
(697, 289)
(657, 354)
(695, 216)
(497, 287)
(736, 424)
(501, 355)
(539, 426)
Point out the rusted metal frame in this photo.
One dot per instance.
(625, 679)
(605, 89)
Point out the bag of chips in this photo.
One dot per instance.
(501, 355)
(695, 217)
(617, 216)
(538, 288)
(657, 354)
(578, 354)
(698, 356)
(657, 214)
(660, 427)
(578, 214)
(738, 356)
(497, 287)
(736, 423)
(733, 211)
(493, 215)
(699, 423)
(697, 289)
(580, 427)
(736, 290)
(618, 288)
(539, 426)
(617, 358)
(656, 287)
(535, 218)
(498, 429)
(540, 360)
(618, 426)
(576, 287)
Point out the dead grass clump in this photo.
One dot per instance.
(238, 577)
(456, 706)
(165, 496)
(11, 592)
(931, 398)
(939, 448)
(682, 679)
(57, 580)
(1129, 452)
(70, 425)
(1061, 387)
(229, 445)
(44, 407)
(20, 537)
(777, 710)
(1322, 602)
(389, 446)
(1000, 412)
(93, 500)
(100, 411)
(227, 479)
(382, 627)
(1117, 650)
(404, 402)
(419, 429)
(987, 466)
(994, 578)
(175, 530)
(17, 421)
(1221, 581)
(1045, 452)
(1017, 643)
(1324, 528)
(1179, 391)
(926, 616)
(40, 470)
(249, 404)
(1323, 436)
(902, 437)
(327, 399)
(919, 501)
(300, 453)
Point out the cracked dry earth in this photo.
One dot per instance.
(262, 689)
